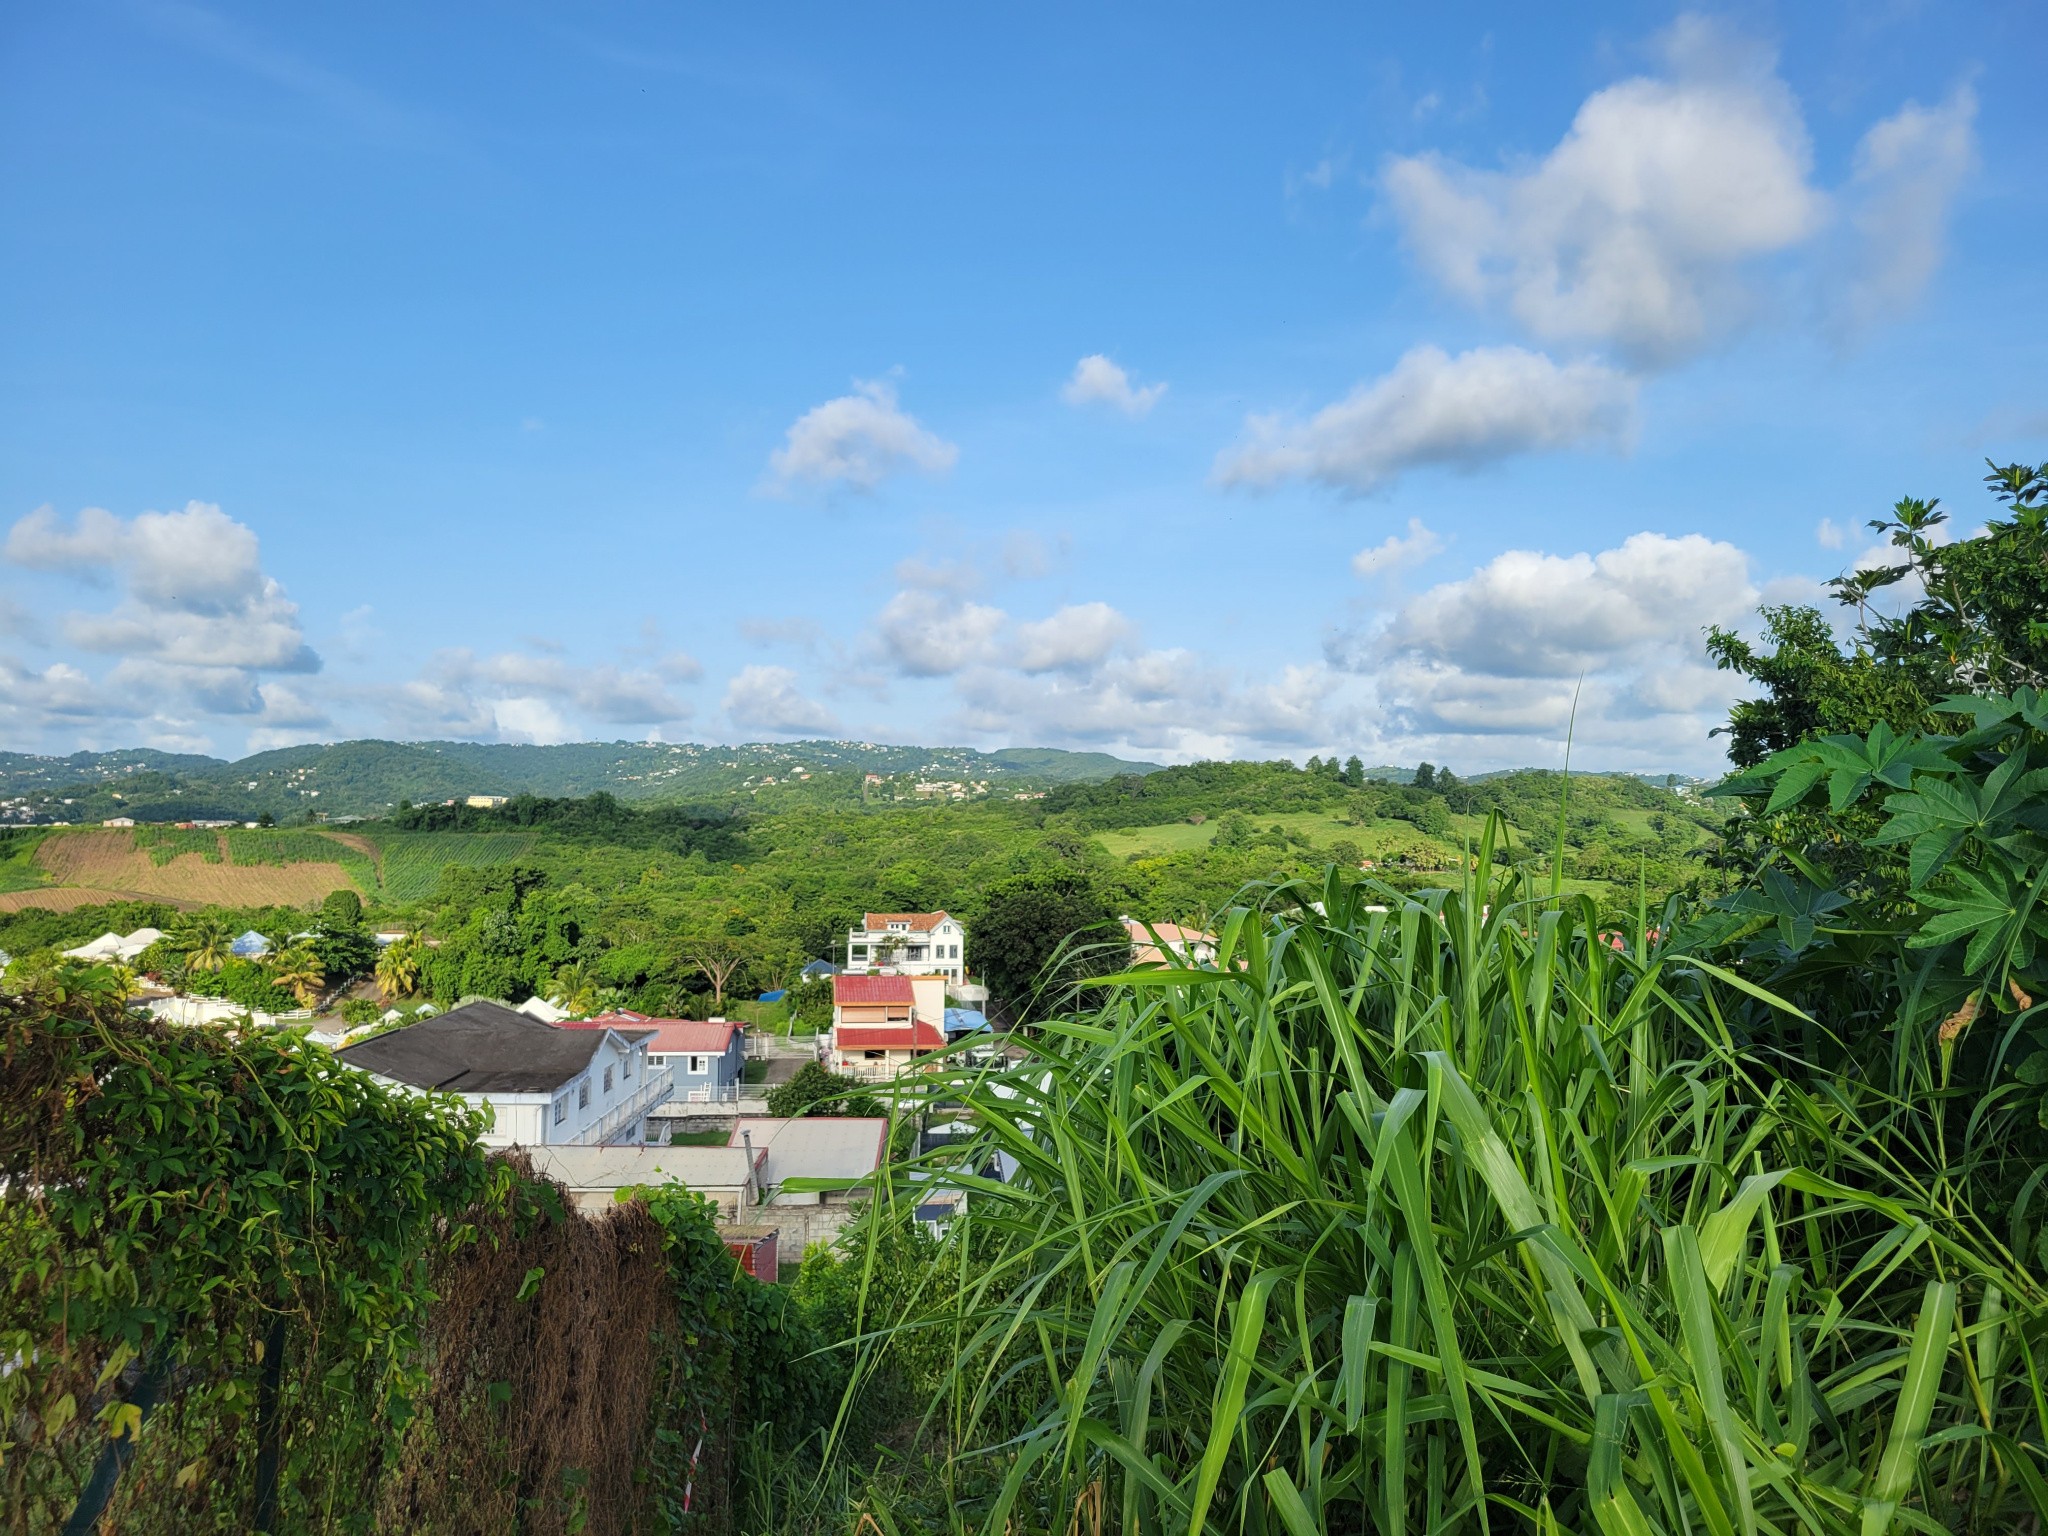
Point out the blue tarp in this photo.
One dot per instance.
(776, 996)
(819, 968)
(965, 1021)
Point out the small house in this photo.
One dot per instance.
(545, 1086)
(706, 1058)
(877, 1026)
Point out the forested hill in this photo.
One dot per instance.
(369, 778)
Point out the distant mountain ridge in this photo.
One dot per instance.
(366, 778)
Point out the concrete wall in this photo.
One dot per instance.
(799, 1226)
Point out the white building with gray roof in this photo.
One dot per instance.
(544, 1086)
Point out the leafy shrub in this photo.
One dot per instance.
(816, 1090)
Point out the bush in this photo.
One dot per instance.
(815, 1090)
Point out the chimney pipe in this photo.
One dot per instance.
(753, 1168)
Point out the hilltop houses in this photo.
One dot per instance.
(908, 944)
(546, 1086)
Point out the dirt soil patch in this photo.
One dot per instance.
(62, 898)
(108, 860)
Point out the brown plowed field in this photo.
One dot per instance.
(108, 860)
(62, 898)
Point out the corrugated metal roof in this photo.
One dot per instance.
(915, 1036)
(579, 1168)
(816, 1146)
(872, 989)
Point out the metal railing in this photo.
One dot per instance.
(654, 1090)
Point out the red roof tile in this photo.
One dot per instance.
(873, 989)
(887, 1037)
(920, 922)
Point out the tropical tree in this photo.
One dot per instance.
(207, 943)
(1978, 628)
(297, 969)
(579, 989)
(717, 957)
(1043, 931)
(398, 969)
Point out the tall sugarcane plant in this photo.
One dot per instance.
(1450, 1212)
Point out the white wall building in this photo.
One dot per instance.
(908, 944)
(545, 1086)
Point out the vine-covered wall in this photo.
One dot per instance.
(249, 1289)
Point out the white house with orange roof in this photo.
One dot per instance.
(908, 944)
(1169, 944)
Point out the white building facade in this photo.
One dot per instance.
(545, 1086)
(908, 944)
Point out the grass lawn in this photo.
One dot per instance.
(699, 1138)
(754, 1072)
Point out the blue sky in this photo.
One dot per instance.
(1180, 382)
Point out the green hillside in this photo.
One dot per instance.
(371, 778)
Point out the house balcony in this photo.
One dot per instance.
(621, 1123)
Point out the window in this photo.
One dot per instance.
(607, 1079)
(859, 952)
(696, 1065)
(561, 1109)
(626, 1067)
(583, 1094)
(875, 1055)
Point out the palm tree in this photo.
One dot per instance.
(578, 989)
(299, 972)
(398, 969)
(207, 943)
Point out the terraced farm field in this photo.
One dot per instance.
(243, 866)
(411, 863)
(112, 862)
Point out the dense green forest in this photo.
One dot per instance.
(678, 908)
(370, 778)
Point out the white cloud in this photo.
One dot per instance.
(1507, 650)
(766, 700)
(937, 575)
(1097, 380)
(529, 720)
(1909, 169)
(1634, 229)
(1526, 614)
(92, 545)
(195, 624)
(1027, 556)
(1079, 635)
(1830, 534)
(1396, 552)
(1463, 412)
(524, 696)
(857, 440)
(1170, 702)
(930, 635)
